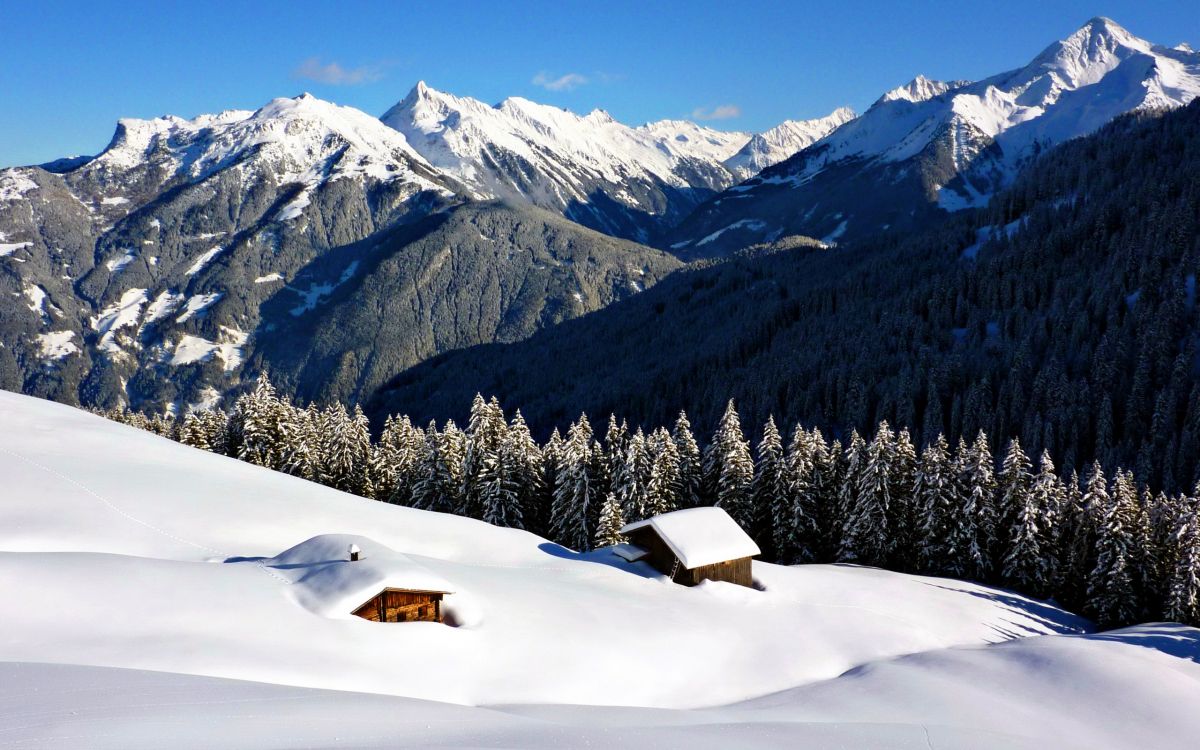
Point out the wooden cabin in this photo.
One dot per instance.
(403, 605)
(692, 545)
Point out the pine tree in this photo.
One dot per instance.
(301, 455)
(485, 433)
(770, 492)
(793, 520)
(690, 471)
(499, 486)
(1029, 561)
(1112, 595)
(855, 460)
(664, 490)
(524, 458)
(867, 538)
(729, 469)
(1012, 491)
(936, 491)
(574, 493)
(630, 477)
(439, 482)
(194, 433)
(972, 532)
(903, 516)
(1183, 591)
(256, 423)
(608, 531)
(538, 519)
(822, 502)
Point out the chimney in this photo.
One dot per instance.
(354, 552)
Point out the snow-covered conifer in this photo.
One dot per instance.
(867, 537)
(770, 492)
(574, 493)
(608, 530)
(729, 469)
(690, 469)
(1112, 592)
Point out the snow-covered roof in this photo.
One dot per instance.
(700, 536)
(325, 581)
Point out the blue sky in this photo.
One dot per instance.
(69, 70)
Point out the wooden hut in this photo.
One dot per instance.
(343, 575)
(403, 605)
(692, 545)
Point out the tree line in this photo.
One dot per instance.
(1100, 544)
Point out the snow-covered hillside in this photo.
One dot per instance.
(169, 561)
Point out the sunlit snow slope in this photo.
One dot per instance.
(124, 556)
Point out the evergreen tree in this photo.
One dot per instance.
(770, 493)
(630, 478)
(524, 458)
(1013, 485)
(792, 513)
(301, 455)
(729, 469)
(1112, 594)
(973, 530)
(867, 538)
(1029, 561)
(608, 531)
(664, 490)
(1183, 592)
(847, 497)
(936, 490)
(690, 472)
(903, 514)
(574, 493)
(439, 485)
(485, 434)
(538, 518)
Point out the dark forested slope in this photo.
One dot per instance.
(1063, 314)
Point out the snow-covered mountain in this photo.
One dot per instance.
(148, 273)
(631, 182)
(782, 141)
(210, 604)
(951, 145)
(624, 181)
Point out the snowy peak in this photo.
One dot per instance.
(919, 89)
(298, 139)
(780, 142)
(592, 168)
(1083, 58)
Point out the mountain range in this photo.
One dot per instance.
(335, 249)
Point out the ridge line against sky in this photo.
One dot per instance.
(70, 70)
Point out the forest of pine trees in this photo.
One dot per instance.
(1099, 544)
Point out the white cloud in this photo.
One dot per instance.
(720, 112)
(334, 74)
(567, 82)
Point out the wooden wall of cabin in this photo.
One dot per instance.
(402, 606)
(734, 571)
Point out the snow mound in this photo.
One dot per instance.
(328, 583)
(700, 536)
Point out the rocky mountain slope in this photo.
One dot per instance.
(144, 275)
(930, 147)
(478, 273)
